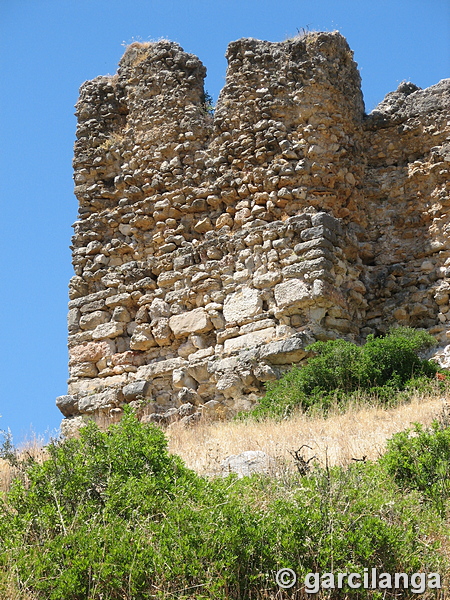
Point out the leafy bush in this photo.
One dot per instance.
(381, 367)
(112, 516)
(419, 458)
(395, 358)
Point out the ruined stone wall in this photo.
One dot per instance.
(210, 250)
(407, 189)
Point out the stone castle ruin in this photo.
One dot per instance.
(210, 250)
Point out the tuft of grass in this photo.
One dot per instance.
(114, 139)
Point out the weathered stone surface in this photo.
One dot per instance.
(142, 338)
(84, 369)
(181, 379)
(288, 351)
(160, 368)
(161, 331)
(292, 295)
(109, 398)
(68, 405)
(73, 319)
(410, 101)
(119, 300)
(91, 320)
(158, 308)
(249, 340)
(326, 220)
(242, 305)
(230, 385)
(194, 321)
(135, 389)
(92, 351)
(70, 427)
(107, 330)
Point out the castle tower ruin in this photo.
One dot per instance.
(211, 249)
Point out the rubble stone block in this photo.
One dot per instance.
(142, 338)
(288, 351)
(242, 305)
(68, 405)
(107, 330)
(194, 321)
(109, 398)
(292, 295)
(91, 352)
(249, 340)
(135, 389)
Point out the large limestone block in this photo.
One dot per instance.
(161, 331)
(135, 389)
(68, 405)
(119, 300)
(161, 367)
(181, 379)
(328, 294)
(109, 398)
(91, 320)
(194, 321)
(249, 340)
(230, 384)
(86, 369)
(242, 305)
(285, 352)
(97, 384)
(291, 295)
(158, 308)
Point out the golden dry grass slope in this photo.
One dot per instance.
(359, 431)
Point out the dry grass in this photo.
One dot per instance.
(33, 448)
(113, 140)
(356, 433)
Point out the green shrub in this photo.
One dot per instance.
(419, 458)
(341, 369)
(395, 358)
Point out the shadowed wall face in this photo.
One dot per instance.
(211, 249)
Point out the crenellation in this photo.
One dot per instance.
(210, 249)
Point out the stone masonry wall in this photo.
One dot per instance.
(210, 250)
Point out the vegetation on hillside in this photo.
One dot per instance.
(112, 515)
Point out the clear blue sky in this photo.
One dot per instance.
(48, 48)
